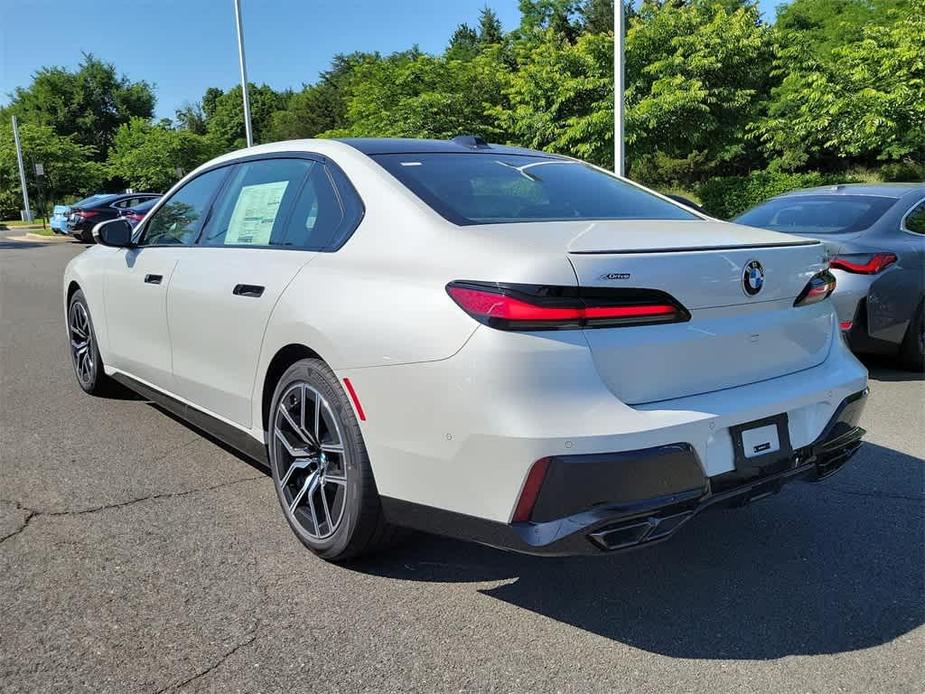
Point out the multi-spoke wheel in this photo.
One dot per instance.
(311, 465)
(320, 466)
(85, 355)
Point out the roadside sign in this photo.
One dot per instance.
(39, 169)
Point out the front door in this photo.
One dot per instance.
(138, 280)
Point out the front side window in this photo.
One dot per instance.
(486, 188)
(915, 220)
(256, 202)
(818, 214)
(179, 220)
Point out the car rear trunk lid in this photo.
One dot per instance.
(733, 337)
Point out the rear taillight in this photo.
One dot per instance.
(863, 263)
(134, 217)
(817, 289)
(86, 214)
(542, 307)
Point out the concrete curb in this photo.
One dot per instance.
(42, 239)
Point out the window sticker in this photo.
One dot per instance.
(254, 214)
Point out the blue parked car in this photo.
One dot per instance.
(59, 219)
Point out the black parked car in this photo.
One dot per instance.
(135, 214)
(87, 213)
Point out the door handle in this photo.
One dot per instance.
(254, 290)
(153, 279)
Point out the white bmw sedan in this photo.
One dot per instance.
(486, 342)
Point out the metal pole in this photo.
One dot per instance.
(618, 87)
(22, 171)
(247, 100)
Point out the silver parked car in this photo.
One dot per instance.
(875, 237)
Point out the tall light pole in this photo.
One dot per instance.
(618, 87)
(247, 101)
(22, 171)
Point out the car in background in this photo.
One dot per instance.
(875, 237)
(58, 218)
(87, 213)
(135, 214)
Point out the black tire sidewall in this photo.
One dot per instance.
(98, 374)
(359, 474)
(913, 357)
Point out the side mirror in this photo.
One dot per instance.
(114, 232)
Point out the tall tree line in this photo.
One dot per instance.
(832, 86)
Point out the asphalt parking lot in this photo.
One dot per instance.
(139, 556)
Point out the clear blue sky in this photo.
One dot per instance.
(184, 46)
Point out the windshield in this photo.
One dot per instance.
(486, 188)
(818, 214)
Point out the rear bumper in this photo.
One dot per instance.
(649, 494)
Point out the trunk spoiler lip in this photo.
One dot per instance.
(695, 249)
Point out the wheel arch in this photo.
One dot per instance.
(72, 288)
(284, 358)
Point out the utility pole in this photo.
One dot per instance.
(22, 171)
(618, 87)
(247, 101)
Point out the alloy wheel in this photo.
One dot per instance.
(82, 344)
(309, 460)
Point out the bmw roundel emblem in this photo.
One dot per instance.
(753, 278)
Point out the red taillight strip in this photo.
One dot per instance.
(876, 263)
(356, 400)
(497, 307)
(531, 491)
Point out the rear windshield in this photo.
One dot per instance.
(818, 214)
(486, 188)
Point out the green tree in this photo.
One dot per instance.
(225, 115)
(560, 16)
(862, 101)
(411, 94)
(560, 97)
(597, 16)
(464, 43)
(152, 157)
(69, 167)
(88, 104)
(490, 30)
(698, 74)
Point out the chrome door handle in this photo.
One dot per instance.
(254, 290)
(153, 279)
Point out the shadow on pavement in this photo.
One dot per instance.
(825, 568)
(886, 369)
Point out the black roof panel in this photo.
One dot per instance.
(387, 145)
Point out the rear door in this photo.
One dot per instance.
(137, 280)
(272, 218)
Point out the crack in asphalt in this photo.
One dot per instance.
(248, 638)
(34, 513)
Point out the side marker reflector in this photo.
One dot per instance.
(356, 400)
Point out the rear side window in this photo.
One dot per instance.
(486, 188)
(256, 203)
(818, 214)
(326, 213)
(180, 219)
(915, 220)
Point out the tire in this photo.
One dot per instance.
(912, 351)
(85, 354)
(328, 496)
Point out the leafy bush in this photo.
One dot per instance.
(727, 196)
